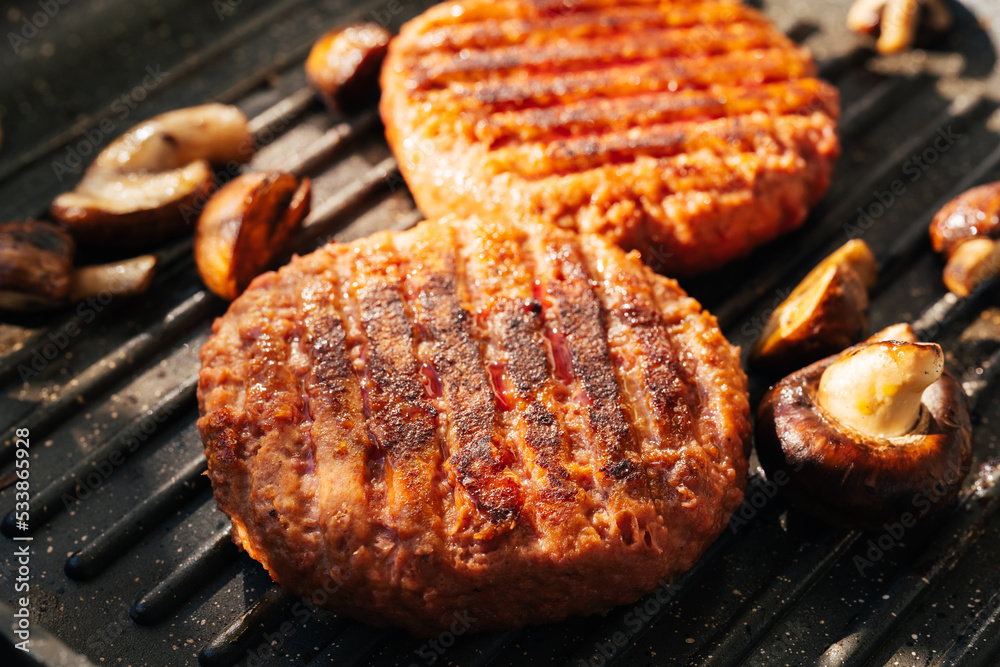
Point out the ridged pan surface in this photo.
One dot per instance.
(472, 418)
(692, 131)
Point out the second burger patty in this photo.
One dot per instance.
(511, 423)
(691, 131)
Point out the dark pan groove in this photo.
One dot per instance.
(182, 583)
(867, 633)
(231, 644)
(116, 540)
(50, 501)
(116, 366)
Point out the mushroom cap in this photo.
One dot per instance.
(345, 63)
(136, 209)
(853, 479)
(36, 264)
(974, 213)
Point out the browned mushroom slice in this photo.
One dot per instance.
(344, 65)
(128, 277)
(825, 312)
(967, 230)
(878, 433)
(36, 264)
(246, 226)
(150, 183)
(127, 210)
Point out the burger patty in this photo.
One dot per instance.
(689, 130)
(509, 422)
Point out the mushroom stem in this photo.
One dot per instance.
(970, 264)
(125, 278)
(876, 389)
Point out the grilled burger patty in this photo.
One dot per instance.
(690, 130)
(514, 423)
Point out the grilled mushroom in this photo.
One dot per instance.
(825, 312)
(36, 264)
(246, 226)
(148, 184)
(877, 434)
(36, 269)
(898, 21)
(344, 65)
(967, 230)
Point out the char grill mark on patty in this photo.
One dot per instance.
(509, 319)
(478, 459)
(401, 420)
(658, 389)
(577, 313)
(582, 25)
(667, 111)
(693, 156)
(333, 391)
(500, 93)
(470, 65)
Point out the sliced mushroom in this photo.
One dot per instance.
(967, 231)
(150, 183)
(36, 264)
(129, 277)
(825, 312)
(877, 434)
(345, 63)
(246, 226)
(36, 269)
(898, 21)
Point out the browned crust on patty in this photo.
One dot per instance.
(518, 423)
(692, 131)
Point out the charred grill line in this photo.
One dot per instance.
(583, 24)
(583, 55)
(611, 118)
(480, 463)
(656, 75)
(402, 423)
(581, 321)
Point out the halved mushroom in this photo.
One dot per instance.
(879, 433)
(825, 312)
(246, 226)
(36, 269)
(344, 65)
(151, 182)
(967, 230)
(898, 21)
